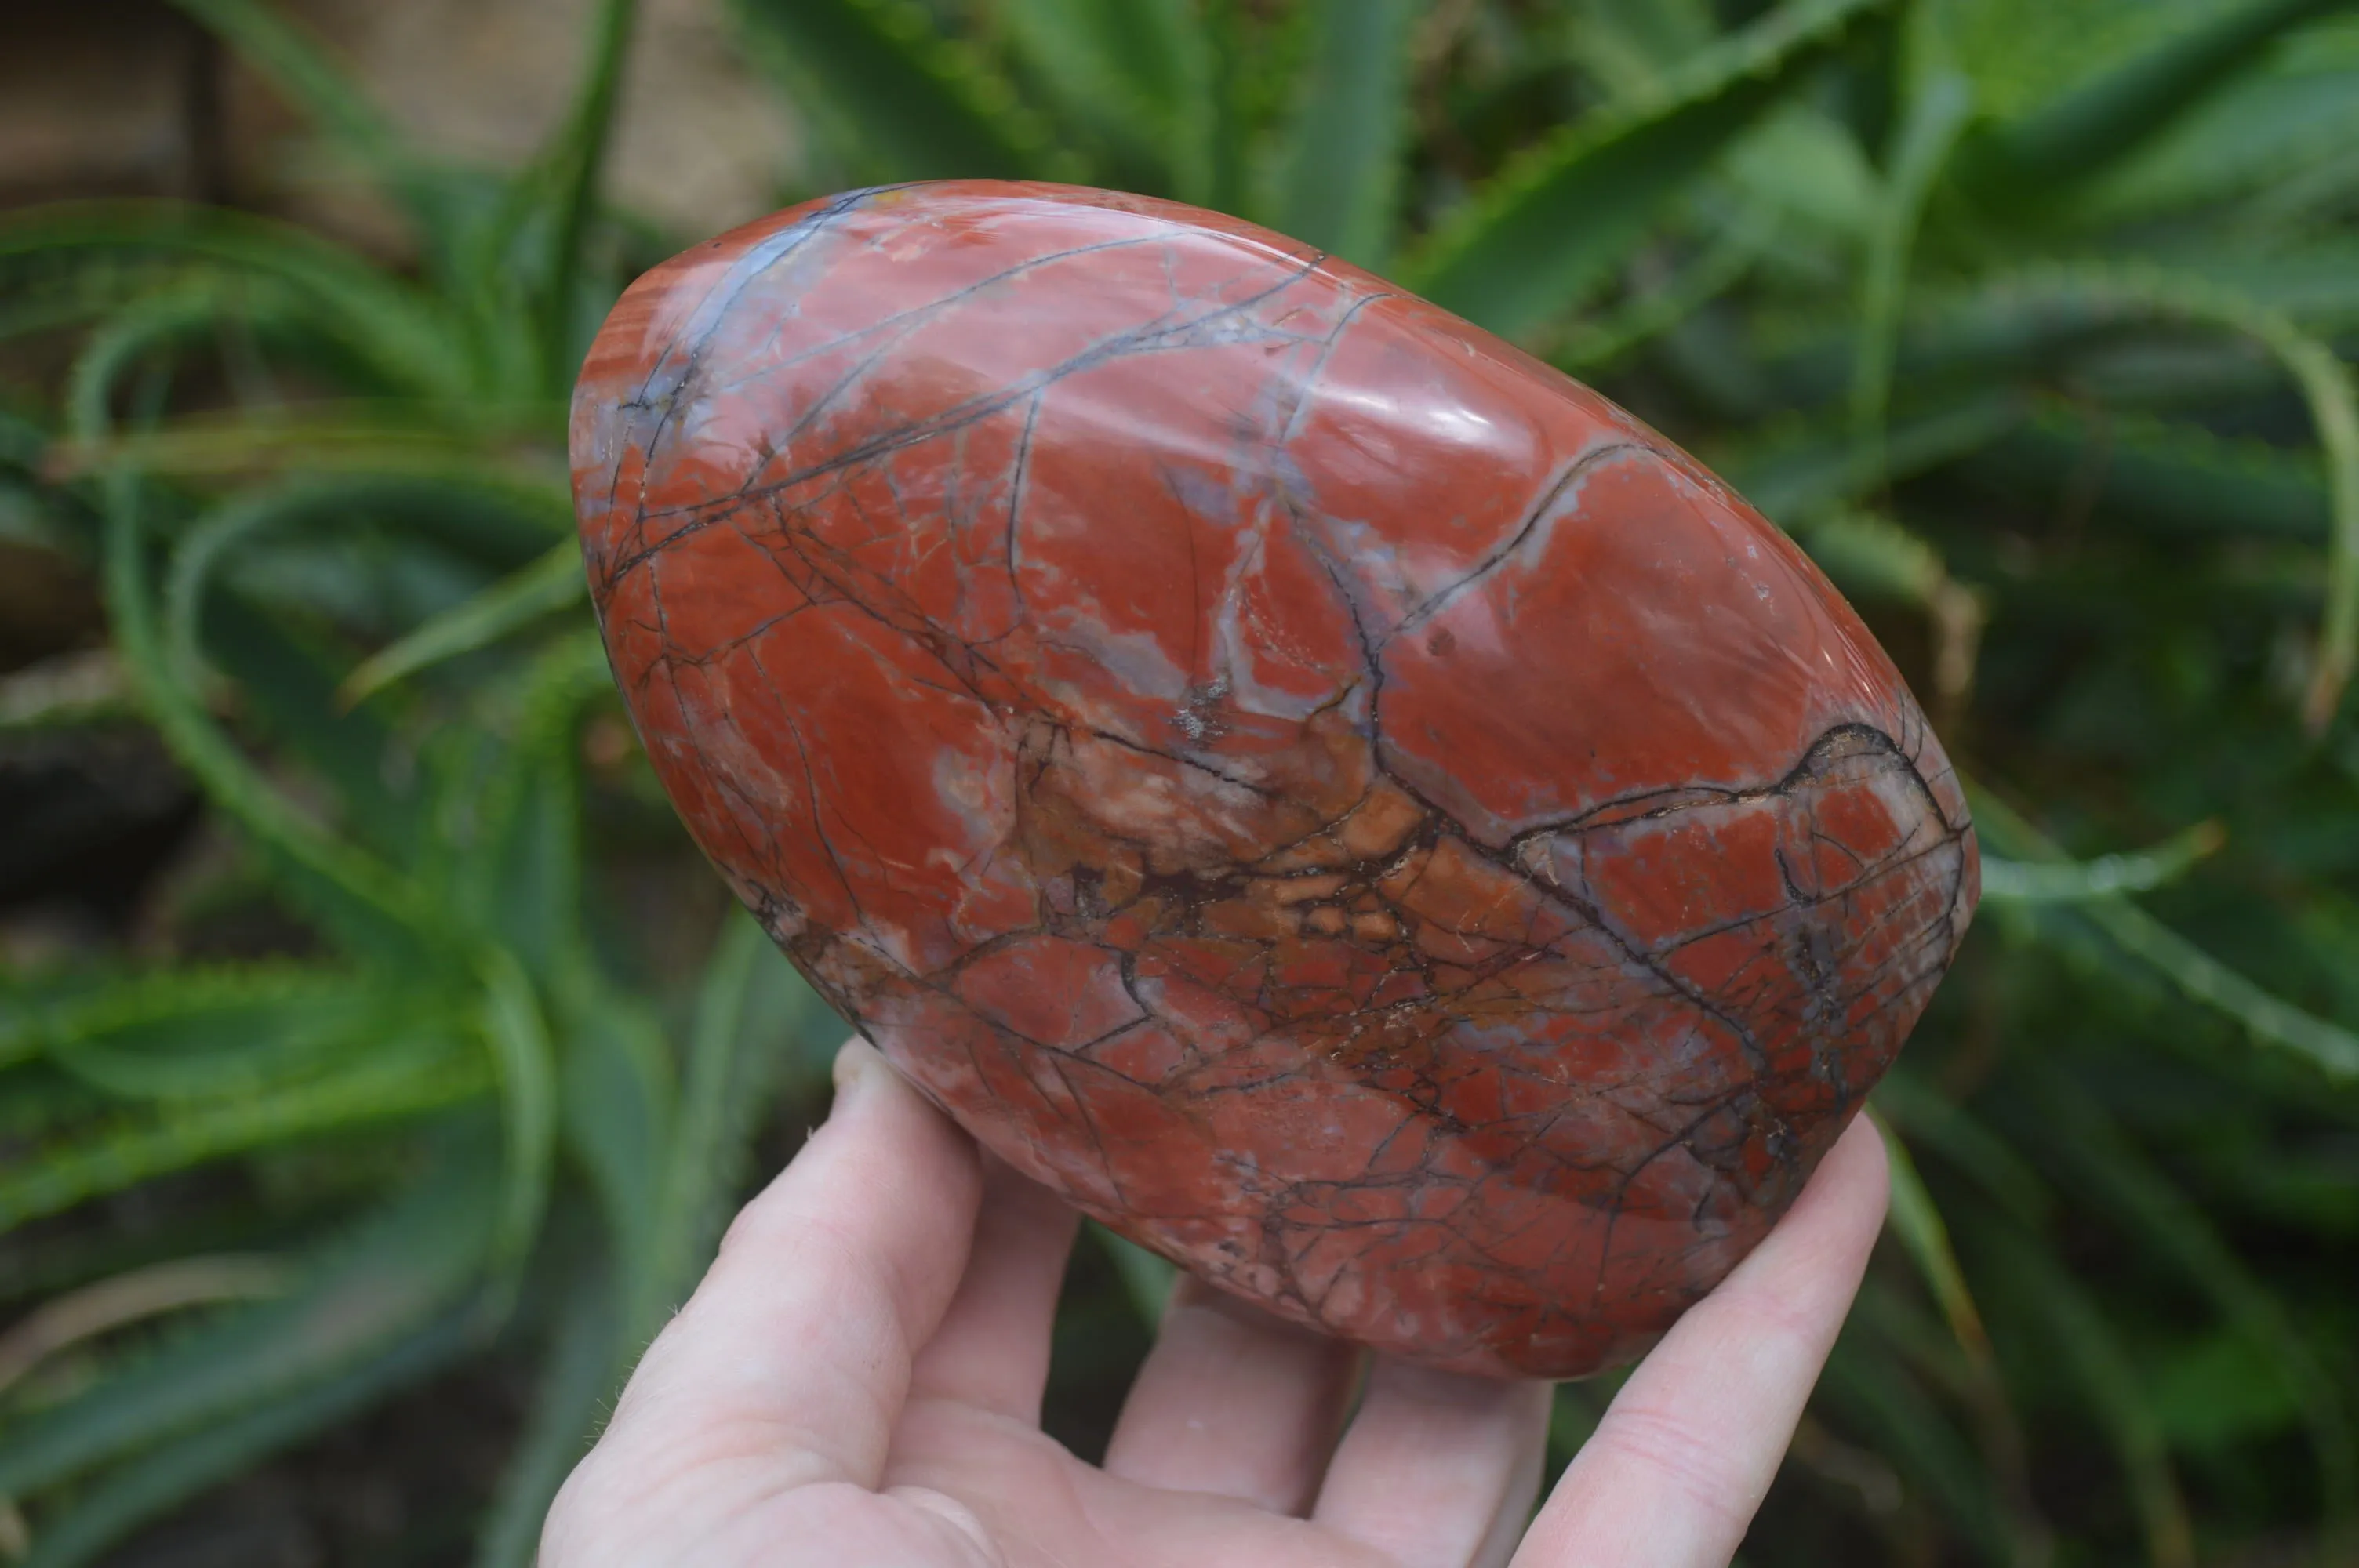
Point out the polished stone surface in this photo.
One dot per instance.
(1349, 807)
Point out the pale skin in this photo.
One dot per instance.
(857, 1384)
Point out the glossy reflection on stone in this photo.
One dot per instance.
(1349, 807)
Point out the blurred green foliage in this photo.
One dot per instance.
(2031, 320)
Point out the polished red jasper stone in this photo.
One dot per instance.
(1348, 807)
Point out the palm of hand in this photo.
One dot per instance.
(857, 1384)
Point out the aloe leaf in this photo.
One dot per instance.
(1803, 167)
(521, 879)
(1230, 29)
(579, 1372)
(2091, 1355)
(2332, 391)
(405, 1265)
(713, 1078)
(219, 1032)
(145, 328)
(128, 1496)
(2040, 156)
(46, 1107)
(1944, 1128)
(1869, 555)
(2314, 282)
(621, 1125)
(573, 164)
(1146, 1276)
(1909, 1333)
(130, 1149)
(192, 1060)
(1803, 472)
(2329, 1047)
(356, 883)
(252, 444)
(2022, 320)
(2333, 394)
(352, 753)
(2029, 323)
(2107, 876)
(1339, 187)
(469, 505)
(1575, 1411)
(895, 98)
(2159, 476)
(1626, 47)
(2327, 385)
(302, 70)
(283, 683)
(2218, 1392)
(2265, 138)
(2307, 197)
(87, 293)
(1971, 1372)
(1134, 76)
(1935, 115)
(22, 442)
(1590, 346)
(138, 1296)
(42, 1099)
(751, 1010)
(346, 880)
(362, 895)
(1916, 1221)
(525, 1069)
(1544, 229)
(552, 583)
(397, 328)
(2113, 1171)
(1893, 1411)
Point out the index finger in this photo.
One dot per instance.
(1686, 1453)
(798, 1344)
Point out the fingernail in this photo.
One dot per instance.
(855, 1065)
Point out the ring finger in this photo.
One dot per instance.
(1233, 1401)
(1437, 1470)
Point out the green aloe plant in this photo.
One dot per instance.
(2031, 321)
(556, 1145)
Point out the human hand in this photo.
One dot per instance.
(857, 1384)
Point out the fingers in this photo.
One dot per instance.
(796, 1348)
(992, 1349)
(1685, 1455)
(1437, 1470)
(1233, 1401)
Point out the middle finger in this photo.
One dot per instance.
(1439, 1470)
(1233, 1401)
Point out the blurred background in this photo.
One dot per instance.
(378, 1062)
